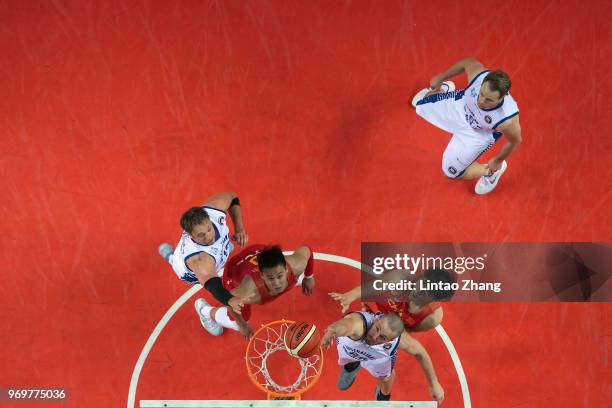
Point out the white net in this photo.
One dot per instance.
(269, 340)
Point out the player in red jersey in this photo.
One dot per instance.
(259, 274)
(421, 312)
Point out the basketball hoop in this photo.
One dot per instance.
(268, 340)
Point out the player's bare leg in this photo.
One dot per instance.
(383, 387)
(474, 170)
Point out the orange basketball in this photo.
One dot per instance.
(302, 339)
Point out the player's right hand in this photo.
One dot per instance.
(344, 299)
(241, 237)
(436, 82)
(327, 339)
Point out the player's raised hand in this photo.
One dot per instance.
(308, 285)
(327, 339)
(344, 299)
(241, 237)
(437, 392)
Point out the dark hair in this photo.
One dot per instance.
(192, 217)
(439, 276)
(498, 81)
(270, 257)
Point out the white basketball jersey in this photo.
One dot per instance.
(359, 350)
(218, 250)
(486, 120)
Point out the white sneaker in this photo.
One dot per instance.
(486, 184)
(165, 250)
(446, 86)
(209, 324)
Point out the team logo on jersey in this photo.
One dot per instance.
(253, 259)
(396, 306)
(473, 92)
(387, 346)
(488, 119)
(452, 170)
(221, 220)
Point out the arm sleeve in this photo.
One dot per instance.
(215, 287)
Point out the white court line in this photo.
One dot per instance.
(318, 256)
(465, 391)
(149, 344)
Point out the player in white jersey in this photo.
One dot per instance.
(205, 245)
(371, 341)
(476, 116)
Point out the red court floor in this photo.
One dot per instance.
(119, 115)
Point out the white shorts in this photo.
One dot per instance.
(445, 111)
(380, 367)
(188, 277)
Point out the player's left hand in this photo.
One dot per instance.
(437, 392)
(241, 237)
(308, 285)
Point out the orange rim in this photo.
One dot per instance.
(274, 394)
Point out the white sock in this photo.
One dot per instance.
(223, 319)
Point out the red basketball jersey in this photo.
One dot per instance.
(401, 308)
(245, 263)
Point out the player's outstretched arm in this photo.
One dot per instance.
(410, 345)
(469, 65)
(302, 261)
(247, 291)
(511, 129)
(229, 201)
(368, 291)
(429, 322)
(347, 298)
(349, 325)
(203, 266)
(243, 326)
